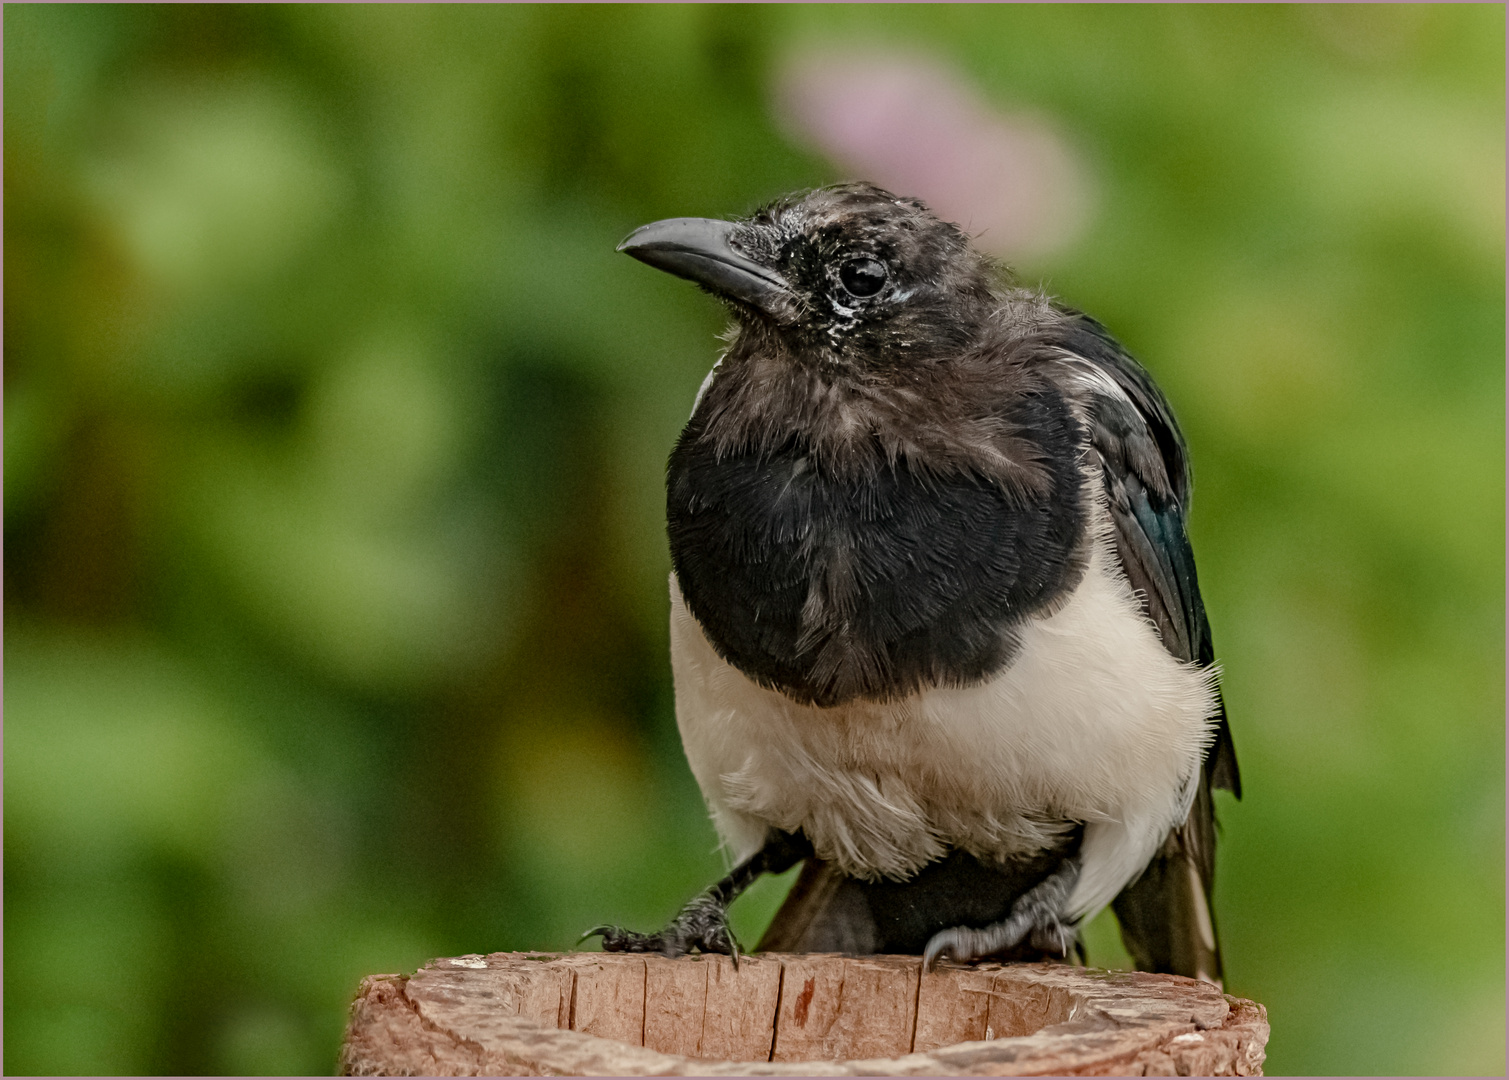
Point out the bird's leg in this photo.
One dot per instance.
(1037, 916)
(703, 922)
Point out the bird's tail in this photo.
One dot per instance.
(823, 912)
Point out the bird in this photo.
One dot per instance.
(936, 632)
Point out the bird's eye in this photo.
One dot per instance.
(862, 277)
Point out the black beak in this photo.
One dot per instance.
(698, 249)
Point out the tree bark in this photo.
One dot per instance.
(596, 1014)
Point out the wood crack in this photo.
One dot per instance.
(775, 1023)
(911, 1042)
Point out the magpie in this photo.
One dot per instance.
(935, 626)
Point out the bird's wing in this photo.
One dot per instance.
(1165, 914)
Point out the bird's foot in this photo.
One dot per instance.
(1036, 919)
(702, 925)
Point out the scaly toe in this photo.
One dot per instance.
(617, 939)
(702, 924)
(962, 943)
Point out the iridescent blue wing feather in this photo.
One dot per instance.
(1165, 914)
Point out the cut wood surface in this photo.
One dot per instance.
(596, 1014)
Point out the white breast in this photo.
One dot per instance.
(1093, 721)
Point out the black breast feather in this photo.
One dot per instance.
(870, 586)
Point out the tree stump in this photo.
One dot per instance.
(596, 1014)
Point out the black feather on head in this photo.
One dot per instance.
(877, 280)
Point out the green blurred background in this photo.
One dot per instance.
(335, 576)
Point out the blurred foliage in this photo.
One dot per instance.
(334, 438)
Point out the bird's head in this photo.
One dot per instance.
(852, 277)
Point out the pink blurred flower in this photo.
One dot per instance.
(912, 125)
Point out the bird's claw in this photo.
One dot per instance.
(1035, 919)
(962, 943)
(701, 925)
